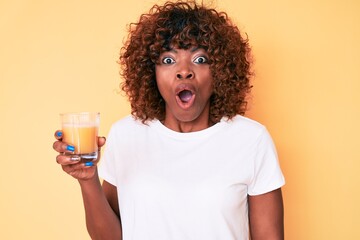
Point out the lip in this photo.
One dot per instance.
(182, 87)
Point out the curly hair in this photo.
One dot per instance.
(183, 25)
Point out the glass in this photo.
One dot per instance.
(81, 130)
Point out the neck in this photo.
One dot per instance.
(187, 126)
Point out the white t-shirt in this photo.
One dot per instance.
(177, 186)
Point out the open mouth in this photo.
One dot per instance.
(185, 96)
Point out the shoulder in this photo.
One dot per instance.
(127, 121)
(245, 125)
(123, 126)
(242, 130)
(128, 125)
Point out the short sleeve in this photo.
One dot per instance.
(267, 174)
(107, 168)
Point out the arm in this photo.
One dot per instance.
(101, 205)
(266, 216)
(101, 209)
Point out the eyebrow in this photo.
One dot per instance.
(194, 49)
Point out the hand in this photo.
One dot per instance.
(75, 167)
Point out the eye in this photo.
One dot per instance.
(200, 60)
(168, 60)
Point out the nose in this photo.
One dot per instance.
(185, 73)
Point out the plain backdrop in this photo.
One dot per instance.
(60, 56)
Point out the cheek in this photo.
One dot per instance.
(163, 87)
(163, 78)
(207, 85)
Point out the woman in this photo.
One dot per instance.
(186, 164)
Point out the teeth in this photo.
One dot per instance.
(185, 95)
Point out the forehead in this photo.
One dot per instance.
(192, 49)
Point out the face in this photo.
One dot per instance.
(185, 81)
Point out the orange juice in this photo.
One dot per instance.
(83, 138)
(81, 130)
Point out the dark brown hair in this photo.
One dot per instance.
(185, 24)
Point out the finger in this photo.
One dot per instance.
(58, 134)
(77, 167)
(101, 141)
(62, 147)
(67, 159)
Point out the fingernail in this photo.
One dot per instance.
(59, 134)
(70, 148)
(75, 158)
(89, 164)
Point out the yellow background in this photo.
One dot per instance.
(58, 56)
